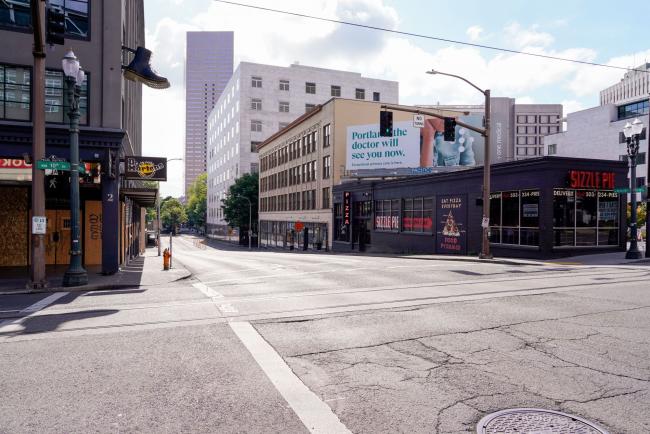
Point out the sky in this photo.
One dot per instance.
(588, 30)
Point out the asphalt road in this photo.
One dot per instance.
(384, 344)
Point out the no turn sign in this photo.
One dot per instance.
(418, 121)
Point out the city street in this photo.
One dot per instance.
(373, 343)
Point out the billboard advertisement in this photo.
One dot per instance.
(451, 216)
(413, 151)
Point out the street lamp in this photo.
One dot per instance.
(158, 210)
(485, 247)
(250, 216)
(75, 275)
(632, 132)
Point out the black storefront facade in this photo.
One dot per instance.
(540, 208)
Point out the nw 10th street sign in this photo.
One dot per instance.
(57, 165)
(627, 189)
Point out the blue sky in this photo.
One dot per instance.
(587, 30)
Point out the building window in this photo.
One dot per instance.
(327, 166)
(633, 110)
(309, 107)
(256, 104)
(360, 94)
(387, 215)
(531, 130)
(521, 130)
(544, 130)
(514, 218)
(310, 87)
(284, 107)
(521, 119)
(417, 215)
(17, 14)
(585, 218)
(256, 126)
(254, 146)
(326, 136)
(552, 149)
(282, 125)
(284, 85)
(56, 103)
(336, 90)
(531, 140)
(543, 119)
(326, 198)
(15, 93)
(531, 119)
(376, 96)
(256, 81)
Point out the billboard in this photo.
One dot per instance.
(413, 151)
(451, 215)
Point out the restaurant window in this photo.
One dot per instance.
(417, 216)
(387, 215)
(15, 93)
(585, 218)
(514, 218)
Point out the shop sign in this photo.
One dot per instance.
(346, 209)
(417, 223)
(387, 222)
(591, 179)
(149, 168)
(451, 215)
(530, 210)
(8, 163)
(15, 170)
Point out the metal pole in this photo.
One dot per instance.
(485, 250)
(75, 275)
(647, 180)
(158, 219)
(633, 146)
(171, 232)
(250, 228)
(38, 279)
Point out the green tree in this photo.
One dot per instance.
(641, 212)
(197, 202)
(172, 213)
(151, 211)
(235, 207)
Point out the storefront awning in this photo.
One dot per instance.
(145, 197)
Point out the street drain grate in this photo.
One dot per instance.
(537, 421)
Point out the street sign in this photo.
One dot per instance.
(57, 165)
(52, 165)
(485, 222)
(418, 121)
(298, 226)
(641, 189)
(39, 225)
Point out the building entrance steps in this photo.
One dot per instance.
(144, 270)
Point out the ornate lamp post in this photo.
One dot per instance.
(632, 132)
(75, 275)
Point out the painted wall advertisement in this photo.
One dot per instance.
(413, 151)
(451, 220)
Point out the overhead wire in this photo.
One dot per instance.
(434, 38)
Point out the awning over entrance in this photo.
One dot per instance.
(145, 197)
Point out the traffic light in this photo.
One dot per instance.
(450, 130)
(385, 124)
(55, 26)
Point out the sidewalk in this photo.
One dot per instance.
(145, 270)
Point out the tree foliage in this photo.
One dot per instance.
(197, 198)
(641, 212)
(172, 213)
(235, 207)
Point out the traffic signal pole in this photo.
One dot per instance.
(38, 279)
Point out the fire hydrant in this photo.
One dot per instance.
(166, 257)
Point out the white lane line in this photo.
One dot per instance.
(228, 308)
(314, 413)
(207, 290)
(11, 324)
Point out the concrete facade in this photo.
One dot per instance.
(257, 102)
(208, 68)
(634, 85)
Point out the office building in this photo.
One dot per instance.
(110, 128)
(208, 68)
(259, 101)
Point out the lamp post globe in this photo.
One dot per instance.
(75, 275)
(632, 131)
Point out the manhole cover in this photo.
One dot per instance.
(535, 421)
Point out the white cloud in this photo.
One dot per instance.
(530, 37)
(474, 33)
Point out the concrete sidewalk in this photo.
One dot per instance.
(145, 270)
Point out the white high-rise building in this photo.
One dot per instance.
(257, 102)
(208, 67)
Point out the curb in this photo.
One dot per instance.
(86, 288)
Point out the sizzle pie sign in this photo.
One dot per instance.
(591, 179)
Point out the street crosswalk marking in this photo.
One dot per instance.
(207, 290)
(14, 325)
(315, 414)
(228, 308)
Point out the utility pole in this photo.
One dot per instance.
(38, 280)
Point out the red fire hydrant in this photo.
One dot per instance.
(166, 257)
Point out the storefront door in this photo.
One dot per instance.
(57, 241)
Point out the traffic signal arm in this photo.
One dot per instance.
(481, 131)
